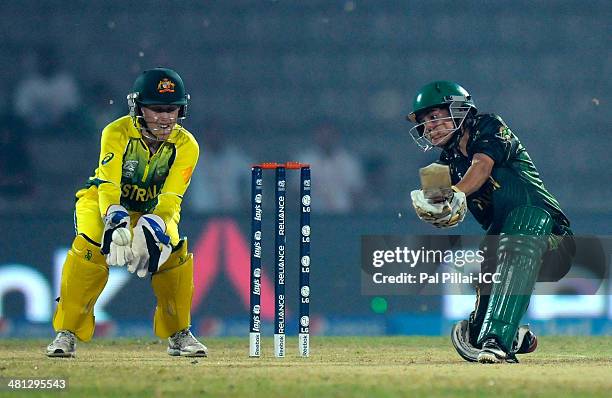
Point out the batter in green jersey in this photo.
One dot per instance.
(494, 177)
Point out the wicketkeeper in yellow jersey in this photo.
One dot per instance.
(128, 215)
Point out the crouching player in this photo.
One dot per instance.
(529, 238)
(128, 214)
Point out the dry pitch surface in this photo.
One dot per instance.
(338, 367)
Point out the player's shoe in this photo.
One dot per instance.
(184, 344)
(492, 352)
(63, 345)
(462, 336)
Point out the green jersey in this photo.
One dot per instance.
(514, 180)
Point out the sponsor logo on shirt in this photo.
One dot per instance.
(107, 158)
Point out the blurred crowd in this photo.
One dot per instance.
(47, 113)
(333, 93)
(49, 138)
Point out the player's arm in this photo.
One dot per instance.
(477, 174)
(492, 145)
(116, 238)
(112, 147)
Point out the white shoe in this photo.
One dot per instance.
(183, 343)
(492, 352)
(63, 345)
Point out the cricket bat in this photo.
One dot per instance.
(436, 182)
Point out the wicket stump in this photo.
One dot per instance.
(280, 242)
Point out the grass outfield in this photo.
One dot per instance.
(338, 367)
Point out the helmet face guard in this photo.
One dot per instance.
(458, 112)
(440, 94)
(140, 123)
(159, 86)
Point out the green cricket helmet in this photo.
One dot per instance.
(440, 94)
(159, 86)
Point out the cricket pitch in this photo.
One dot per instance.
(399, 366)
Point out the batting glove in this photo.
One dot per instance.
(444, 214)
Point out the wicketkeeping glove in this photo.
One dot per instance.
(151, 246)
(116, 238)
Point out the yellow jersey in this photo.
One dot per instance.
(128, 174)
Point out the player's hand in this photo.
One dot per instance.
(426, 209)
(443, 214)
(117, 237)
(458, 207)
(151, 245)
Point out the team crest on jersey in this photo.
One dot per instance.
(504, 133)
(165, 86)
(129, 168)
(161, 170)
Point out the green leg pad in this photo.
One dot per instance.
(523, 241)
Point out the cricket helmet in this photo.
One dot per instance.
(440, 94)
(159, 86)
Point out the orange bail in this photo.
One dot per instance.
(287, 165)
